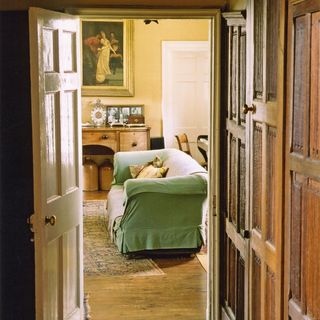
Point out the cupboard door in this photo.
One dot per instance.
(235, 250)
(265, 28)
(252, 246)
(302, 287)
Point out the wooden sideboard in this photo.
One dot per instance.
(118, 138)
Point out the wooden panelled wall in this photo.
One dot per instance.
(302, 289)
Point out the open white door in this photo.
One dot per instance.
(57, 221)
(185, 91)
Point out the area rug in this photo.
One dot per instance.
(102, 258)
(95, 207)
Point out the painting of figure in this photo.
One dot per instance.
(106, 57)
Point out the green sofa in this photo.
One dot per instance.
(157, 213)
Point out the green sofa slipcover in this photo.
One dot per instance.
(157, 213)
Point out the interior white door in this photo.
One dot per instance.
(185, 91)
(55, 83)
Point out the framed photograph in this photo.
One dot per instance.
(107, 57)
(121, 114)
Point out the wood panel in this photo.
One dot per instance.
(296, 241)
(302, 174)
(301, 83)
(232, 277)
(241, 276)
(272, 46)
(242, 187)
(242, 71)
(315, 89)
(311, 248)
(234, 71)
(270, 296)
(270, 184)
(233, 181)
(257, 177)
(258, 32)
(256, 287)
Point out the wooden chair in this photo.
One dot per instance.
(183, 143)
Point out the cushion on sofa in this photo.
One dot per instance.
(152, 169)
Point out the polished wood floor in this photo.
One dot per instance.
(178, 294)
(95, 195)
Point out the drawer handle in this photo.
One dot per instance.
(134, 144)
(104, 137)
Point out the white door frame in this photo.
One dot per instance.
(214, 16)
(168, 49)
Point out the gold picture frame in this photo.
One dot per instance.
(107, 56)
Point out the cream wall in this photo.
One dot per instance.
(147, 66)
(235, 5)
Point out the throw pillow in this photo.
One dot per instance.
(151, 172)
(156, 162)
(135, 170)
(152, 169)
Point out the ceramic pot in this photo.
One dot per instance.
(90, 175)
(105, 175)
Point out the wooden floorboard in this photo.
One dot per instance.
(178, 294)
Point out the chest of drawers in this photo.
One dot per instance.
(118, 139)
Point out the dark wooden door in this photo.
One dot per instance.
(235, 247)
(302, 285)
(265, 98)
(252, 266)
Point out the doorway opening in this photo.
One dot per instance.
(154, 114)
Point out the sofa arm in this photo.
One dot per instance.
(184, 185)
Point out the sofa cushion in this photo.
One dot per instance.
(151, 172)
(152, 169)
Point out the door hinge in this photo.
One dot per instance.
(30, 222)
(214, 201)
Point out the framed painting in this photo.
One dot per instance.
(107, 57)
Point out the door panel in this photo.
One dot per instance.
(302, 162)
(236, 221)
(54, 40)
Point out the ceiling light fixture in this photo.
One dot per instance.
(148, 21)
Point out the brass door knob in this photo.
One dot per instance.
(246, 109)
(50, 220)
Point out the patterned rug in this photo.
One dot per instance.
(102, 258)
(95, 207)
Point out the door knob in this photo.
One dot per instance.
(50, 220)
(246, 109)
